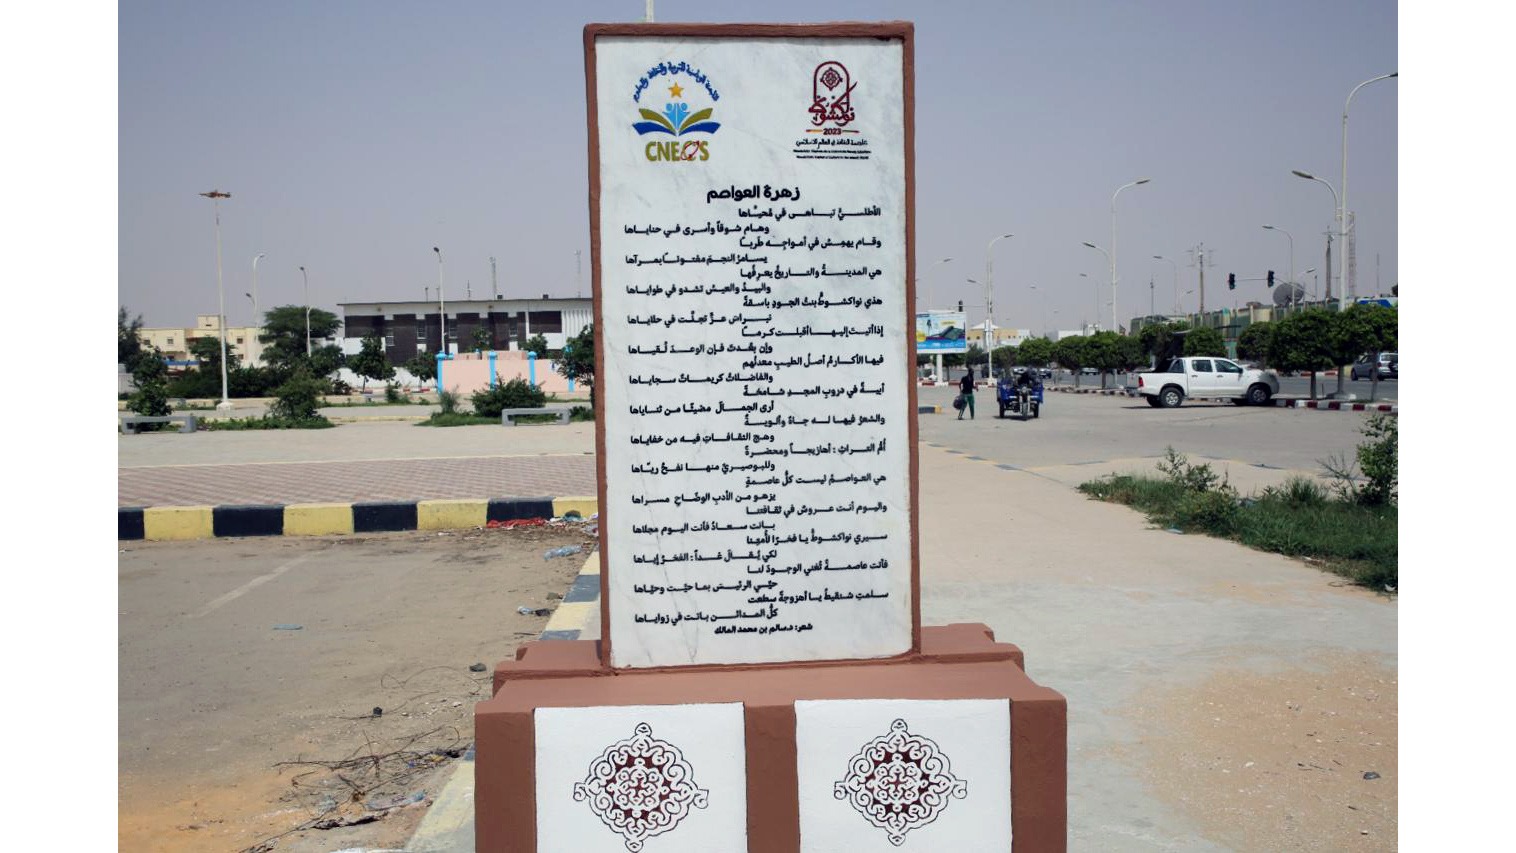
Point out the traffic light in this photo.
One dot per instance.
(1271, 278)
(960, 306)
(1231, 281)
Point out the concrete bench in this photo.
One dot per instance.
(508, 416)
(133, 425)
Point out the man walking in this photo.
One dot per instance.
(966, 386)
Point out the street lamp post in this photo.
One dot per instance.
(305, 277)
(1112, 255)
(1113, 286)
(1175, 266)
(215, 196)
(1337, 209)
(1342, 223)
(1292, 248)
(254, 295)
(989, 304)
(441, 306)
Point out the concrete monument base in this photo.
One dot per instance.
(951, 748)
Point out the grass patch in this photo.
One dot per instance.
(453, 419)
(265, 422)
(1359, 542)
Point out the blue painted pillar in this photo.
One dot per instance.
(531, 368)
(492, 368)
(440, 358)
(566, 350)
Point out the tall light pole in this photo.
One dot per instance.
(215, 196)
(1336, 203)
(1112, 255)
(1292, 248)
(254, 294)
(441, 305)
(989, 304)
(1113, 286)
(1342, 223)
(307, 279)
(1171, 263)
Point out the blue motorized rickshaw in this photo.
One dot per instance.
(1023, 401)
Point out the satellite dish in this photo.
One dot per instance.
(1288, 294)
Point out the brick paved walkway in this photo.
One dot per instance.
(343, 482)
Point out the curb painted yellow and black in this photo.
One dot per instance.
(159, 523)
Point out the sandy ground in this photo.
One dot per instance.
(1277, 760)
(233, 733)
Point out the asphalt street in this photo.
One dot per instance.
(1086, 429)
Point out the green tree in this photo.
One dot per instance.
(538, 345)
(128, 339)
(1299, 342)
(1155, 339)
(578, 360)
(1204, 341)
(370, 362)
(151, 377)
(481, 339)
(298, 397)
(1004, 358)
(423, 366)
(1363, 329)
(325, 360)
(1128, 353)
(1035, 352)
(283, 337)
(1069, 352)
(1253, 343)
(207, 350)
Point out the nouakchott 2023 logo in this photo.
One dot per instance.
(684, 112)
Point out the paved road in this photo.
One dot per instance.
(1289, 386)
(1083, 435)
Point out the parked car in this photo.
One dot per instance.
(1388, 364)
(1207, 377)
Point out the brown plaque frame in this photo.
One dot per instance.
(905, 32)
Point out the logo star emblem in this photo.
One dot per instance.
(676, 91)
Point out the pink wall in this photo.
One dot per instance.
(466, 373)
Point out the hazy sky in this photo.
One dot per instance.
(354, 136)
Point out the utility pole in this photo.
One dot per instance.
(1151, 304)
(494, 285)
(1200, 261)
(1329, 268)
(578, 274)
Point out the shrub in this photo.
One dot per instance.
(1378, 460)
(449, 402)
(151, 397)
(582, 413)
(298, 397)
(392, 394)
(515, 394)
(1194, 478)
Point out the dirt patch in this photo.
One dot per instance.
(235, 736)
(1298, 760)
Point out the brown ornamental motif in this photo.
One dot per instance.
(640, 787)
(899, 782)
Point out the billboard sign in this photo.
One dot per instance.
(941, 331)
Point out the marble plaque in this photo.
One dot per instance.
(752, 215)
(629, 778)
(908, 775)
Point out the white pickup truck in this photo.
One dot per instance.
(1217, 378)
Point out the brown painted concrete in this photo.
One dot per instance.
(966, 663)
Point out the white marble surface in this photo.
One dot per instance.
(709, 740)
(747, 579)
(972, 735)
